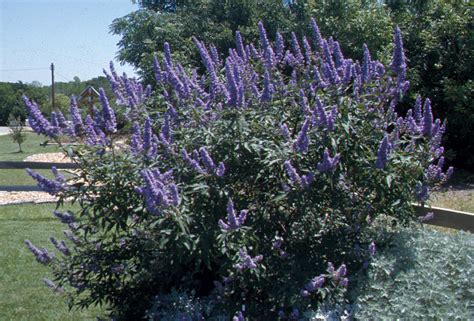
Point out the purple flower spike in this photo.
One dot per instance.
(157, 70)
(285, 131)
(60, 246)
(425, 218)
(449, 172)
(167, 55)
(159, 191)
(136, 142)
(207, 60)
(215, 56)
(174, 193)
(240, 45)
(296, 49)
(263, 36)
(330, 268)
(52, 187)
(340, 272)
(65, 218)
(317, 38)
(246, 261)
(279, 46)
(308, 54)
(302, 142)
(220, 170)
(418, 109)
(344, 282)
(37, 121)
(315, 283)
(234, 222)
(76, 117)
(147, 134)
(207, 160)
(382, 154)
(366, 65)
(110, 123)
(398, 64)
(267, 87)
(427, 118)
(292, 173)
(42, 256)
(339, 57)
(307, 180)
(328, 163)
(372, 249)
(194, 164)
(422, 192)
(239, 317)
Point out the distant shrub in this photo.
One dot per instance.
(254, 184)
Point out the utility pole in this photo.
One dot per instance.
(52, 87)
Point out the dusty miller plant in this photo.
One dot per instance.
(253, 183)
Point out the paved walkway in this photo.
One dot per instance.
(4, 130)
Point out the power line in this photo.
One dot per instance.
(63, 77)
(24, 69)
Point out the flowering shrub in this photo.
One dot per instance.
(253, 183)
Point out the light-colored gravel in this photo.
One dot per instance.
(34, 197)
(25, 197)
(48, 158)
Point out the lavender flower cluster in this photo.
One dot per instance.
(234, 221)
(202, 156)
(129, 92)
(246, 262)
(318, 282)
(51, 186)
(94, 128)
(159, 191)
(42, 256)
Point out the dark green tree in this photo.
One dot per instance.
(437, 34)
(439, 41)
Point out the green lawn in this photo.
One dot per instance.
(458, 194)
(9, 152)
(23, 295)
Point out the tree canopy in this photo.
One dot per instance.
(437, 34)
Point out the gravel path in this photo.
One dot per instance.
(7, 198)
(48, 158)
(34, 197)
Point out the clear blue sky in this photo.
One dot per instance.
(73, 34)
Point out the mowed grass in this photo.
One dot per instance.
(458, 194)
(23, 295)
(9, 152)
(9, 149)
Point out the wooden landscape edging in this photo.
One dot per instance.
(441, 216)
(32, 165)
(448, 218)
(36, 165)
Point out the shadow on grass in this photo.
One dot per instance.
(28, 219)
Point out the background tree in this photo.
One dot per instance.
(437, 34)
(439, 41)
(11, 103)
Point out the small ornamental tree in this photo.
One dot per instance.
(17, 131)
(254, 183)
